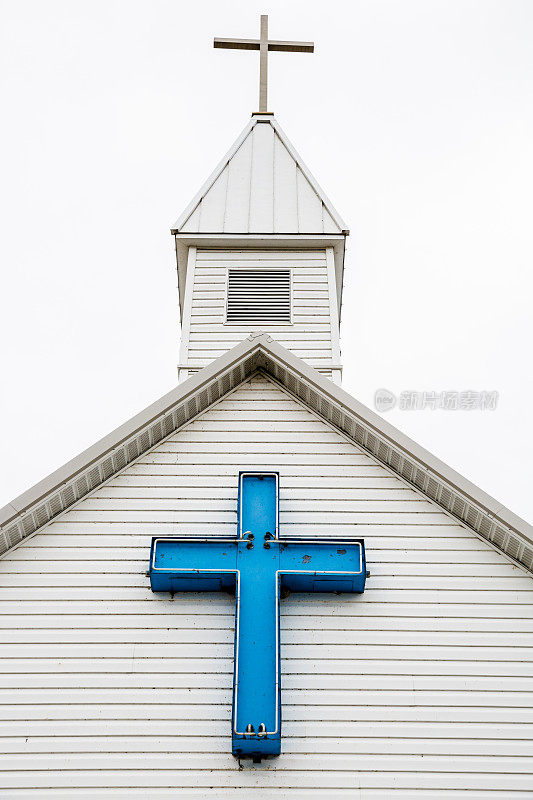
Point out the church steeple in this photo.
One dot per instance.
(261, 247)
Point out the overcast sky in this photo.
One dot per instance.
(415, 117)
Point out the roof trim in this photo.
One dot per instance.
(119, 447)
(396, 438)
(261, 241)
(428, 474)
(334, 214)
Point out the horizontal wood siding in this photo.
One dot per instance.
(309, 334)
(420, 688)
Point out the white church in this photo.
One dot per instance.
(128, 652)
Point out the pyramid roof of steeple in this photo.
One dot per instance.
(261, 186)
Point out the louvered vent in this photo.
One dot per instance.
(259, 296)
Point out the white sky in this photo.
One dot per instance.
(416, 118)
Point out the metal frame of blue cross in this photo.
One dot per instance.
(257, 564)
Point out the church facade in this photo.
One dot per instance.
(418, 687)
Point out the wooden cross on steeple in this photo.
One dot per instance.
(264, 45)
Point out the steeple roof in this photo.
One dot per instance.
(261, 186)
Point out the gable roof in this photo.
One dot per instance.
(261, 186)
(441, 484)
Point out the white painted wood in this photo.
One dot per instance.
(326, 202)
(309, 206)
(237, 203)
(333, 312)
(246, 255)
(162, 793)
(330, 226)
(421, 688)
(193, 223)
(296, 777)
(261, 186)
(186, 320)
(211, 209)
(194, 206)
(313, 332)
(188, 742)
(285, 190)
(262, 180)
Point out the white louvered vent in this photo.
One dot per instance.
(259, 296)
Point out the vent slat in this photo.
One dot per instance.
(259, 296)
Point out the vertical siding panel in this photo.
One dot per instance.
(334, 312)
(187, 311)
(285, 190)
(238, 190)
(329, 225)
(309, 206)
(213, 205)
(193, 223)
(262, 180)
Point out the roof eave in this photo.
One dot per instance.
(279, 241)
(189, 388)
(463, 500)
(408, 445)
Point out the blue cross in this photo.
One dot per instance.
(259, 567)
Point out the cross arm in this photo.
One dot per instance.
(191, 564)
(255, 44)
(291, 47)
(323, 565)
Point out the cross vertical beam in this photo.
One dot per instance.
(263, 64)
(263, 44)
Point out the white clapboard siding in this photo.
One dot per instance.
(312, 333)
(420, 688)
